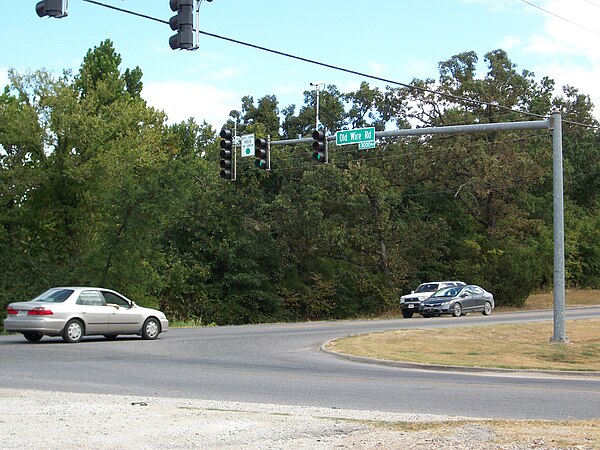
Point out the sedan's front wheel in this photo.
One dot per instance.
(487, 309)
(151, 328)
(457, 310)
(73, 331)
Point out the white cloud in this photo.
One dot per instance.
(226, 73)
(570, 28)
(510, 42)
(569, 45)
(182, 100)
(583, 78)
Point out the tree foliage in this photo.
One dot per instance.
(97, 189)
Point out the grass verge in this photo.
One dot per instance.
(583, 434)
(545, 300)
(514, 346)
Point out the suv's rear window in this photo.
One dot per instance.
(54, 296)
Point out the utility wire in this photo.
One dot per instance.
(592, 3)
(350, 71)
(319, 63)
(563, 18)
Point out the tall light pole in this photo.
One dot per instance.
(316, 85)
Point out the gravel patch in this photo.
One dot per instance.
(41, 420)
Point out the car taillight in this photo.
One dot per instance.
(39, 311)
(10, 310)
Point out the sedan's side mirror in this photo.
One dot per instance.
(463, 295)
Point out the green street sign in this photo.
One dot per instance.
(348, 137)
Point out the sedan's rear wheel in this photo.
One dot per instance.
(73, 331)
(151, 328)
(407, 314)
(487, 309)
(457, 310)
(33, 337)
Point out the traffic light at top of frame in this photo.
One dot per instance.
(51, 8)
(183, 24)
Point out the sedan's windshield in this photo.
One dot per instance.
(427, 287)
(447, 292)
(54, 296)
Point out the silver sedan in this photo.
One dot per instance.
(458, 301)
(74, 312)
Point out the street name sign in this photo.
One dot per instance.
(356, 136)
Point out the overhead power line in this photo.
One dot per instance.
(339, 68)
(563, 18)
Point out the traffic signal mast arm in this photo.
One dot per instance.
(451, 129)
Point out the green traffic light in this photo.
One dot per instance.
(318, 156)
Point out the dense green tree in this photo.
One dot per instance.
(96, 188)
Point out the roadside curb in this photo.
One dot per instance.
(463, 369)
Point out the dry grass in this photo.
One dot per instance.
(520, 346)
(522, 433)
(573, 298)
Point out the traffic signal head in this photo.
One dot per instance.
(51, 8)
(226, 154)
(183, 23)
(261, 151)
(319, 146)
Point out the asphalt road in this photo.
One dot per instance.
(282, 364)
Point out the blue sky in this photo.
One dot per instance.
(394, 39)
